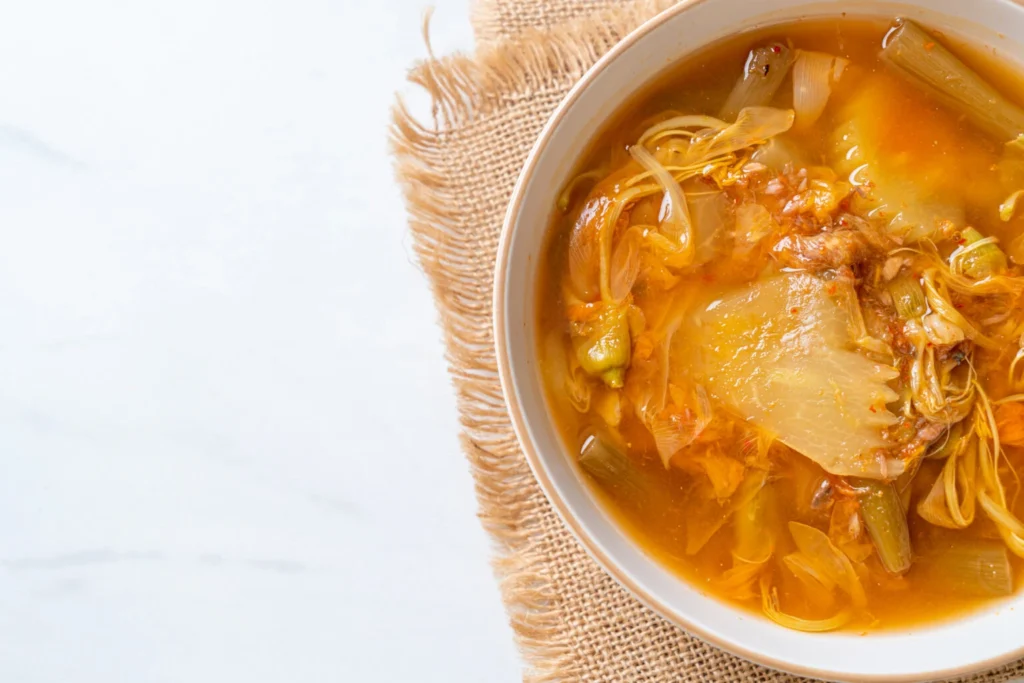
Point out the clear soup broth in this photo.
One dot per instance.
(781, 324)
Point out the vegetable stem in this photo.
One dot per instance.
(971, 568)
(907, 296)
(613, 469)
(979, 256)
(886, 523)
(921, 60)
(763, 73)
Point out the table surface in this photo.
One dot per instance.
(229, 433)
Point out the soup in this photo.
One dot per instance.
(781, 324)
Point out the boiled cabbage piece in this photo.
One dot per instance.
(780, 353)
(911, 177)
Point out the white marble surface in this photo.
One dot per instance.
(228, 435)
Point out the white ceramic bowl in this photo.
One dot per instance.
(984, 639)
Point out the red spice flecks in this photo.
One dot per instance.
(794, 310)
(832, 288)
(872, 409)
(776, 49)
(707, 277)
(929, 46)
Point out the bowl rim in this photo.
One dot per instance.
(518, 417)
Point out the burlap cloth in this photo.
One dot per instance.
(572, 622)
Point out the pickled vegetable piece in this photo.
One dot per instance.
(779, 353)
(886, 523)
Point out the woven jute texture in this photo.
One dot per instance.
(572, 622)
(498, 20)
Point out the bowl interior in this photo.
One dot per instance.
(983, 639)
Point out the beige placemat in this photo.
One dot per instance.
(500, 20)
(572, 622)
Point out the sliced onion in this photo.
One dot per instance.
(753, 126)
(584, 248)
(675, 215)
(951, 501)
(738, 582)
(770, 606)
(625, 265)
(934, 509)
(814, 75)
(709, 213)
(829, 560)
(807, 572)
(672, 433)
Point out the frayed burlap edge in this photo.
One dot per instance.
(462, 89)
